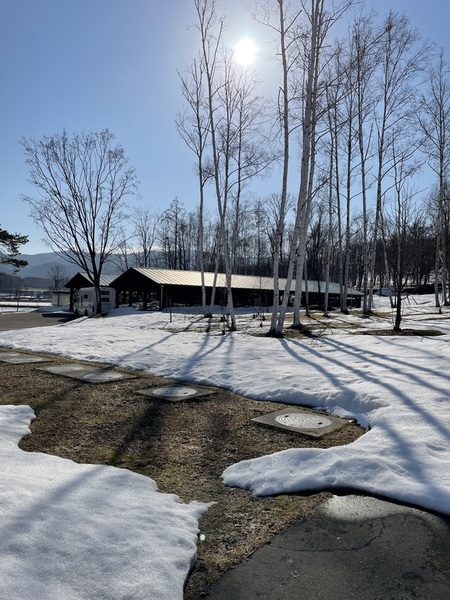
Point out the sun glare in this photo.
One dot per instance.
(245, 51)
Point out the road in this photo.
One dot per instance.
(23, 320)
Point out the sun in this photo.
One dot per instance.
(245, 51)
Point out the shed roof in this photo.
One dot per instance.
(82, 279)
(247, 282)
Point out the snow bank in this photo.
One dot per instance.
(72, 532)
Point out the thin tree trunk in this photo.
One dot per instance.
(284, 182)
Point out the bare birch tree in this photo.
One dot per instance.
(402, 59)
(192, 125)
(434, 121)
(285, 26)
(235, 119)
(363, 64)
(310, 49)
(338, 123)
(401, 219)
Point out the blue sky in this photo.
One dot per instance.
(86, 65)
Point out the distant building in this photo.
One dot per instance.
(82, 280)
(169, 287)
(60, 298)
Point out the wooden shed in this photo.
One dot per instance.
(160, 288)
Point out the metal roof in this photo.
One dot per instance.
(83, 279)
(247, 282)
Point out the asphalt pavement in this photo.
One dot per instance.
(22, 320)
(351, 547)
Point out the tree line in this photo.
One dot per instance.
(168, 240)
(351, 122)
(355, 119)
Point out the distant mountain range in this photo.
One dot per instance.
(39, 266)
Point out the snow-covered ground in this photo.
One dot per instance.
(8, 306)
(397, 387)
(73, 532)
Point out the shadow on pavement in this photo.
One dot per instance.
(356, 548)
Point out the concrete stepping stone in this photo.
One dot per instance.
(175, 393)
(15, 358)
(300, 421)
(86, 373)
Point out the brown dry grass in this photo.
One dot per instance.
(184, 447)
